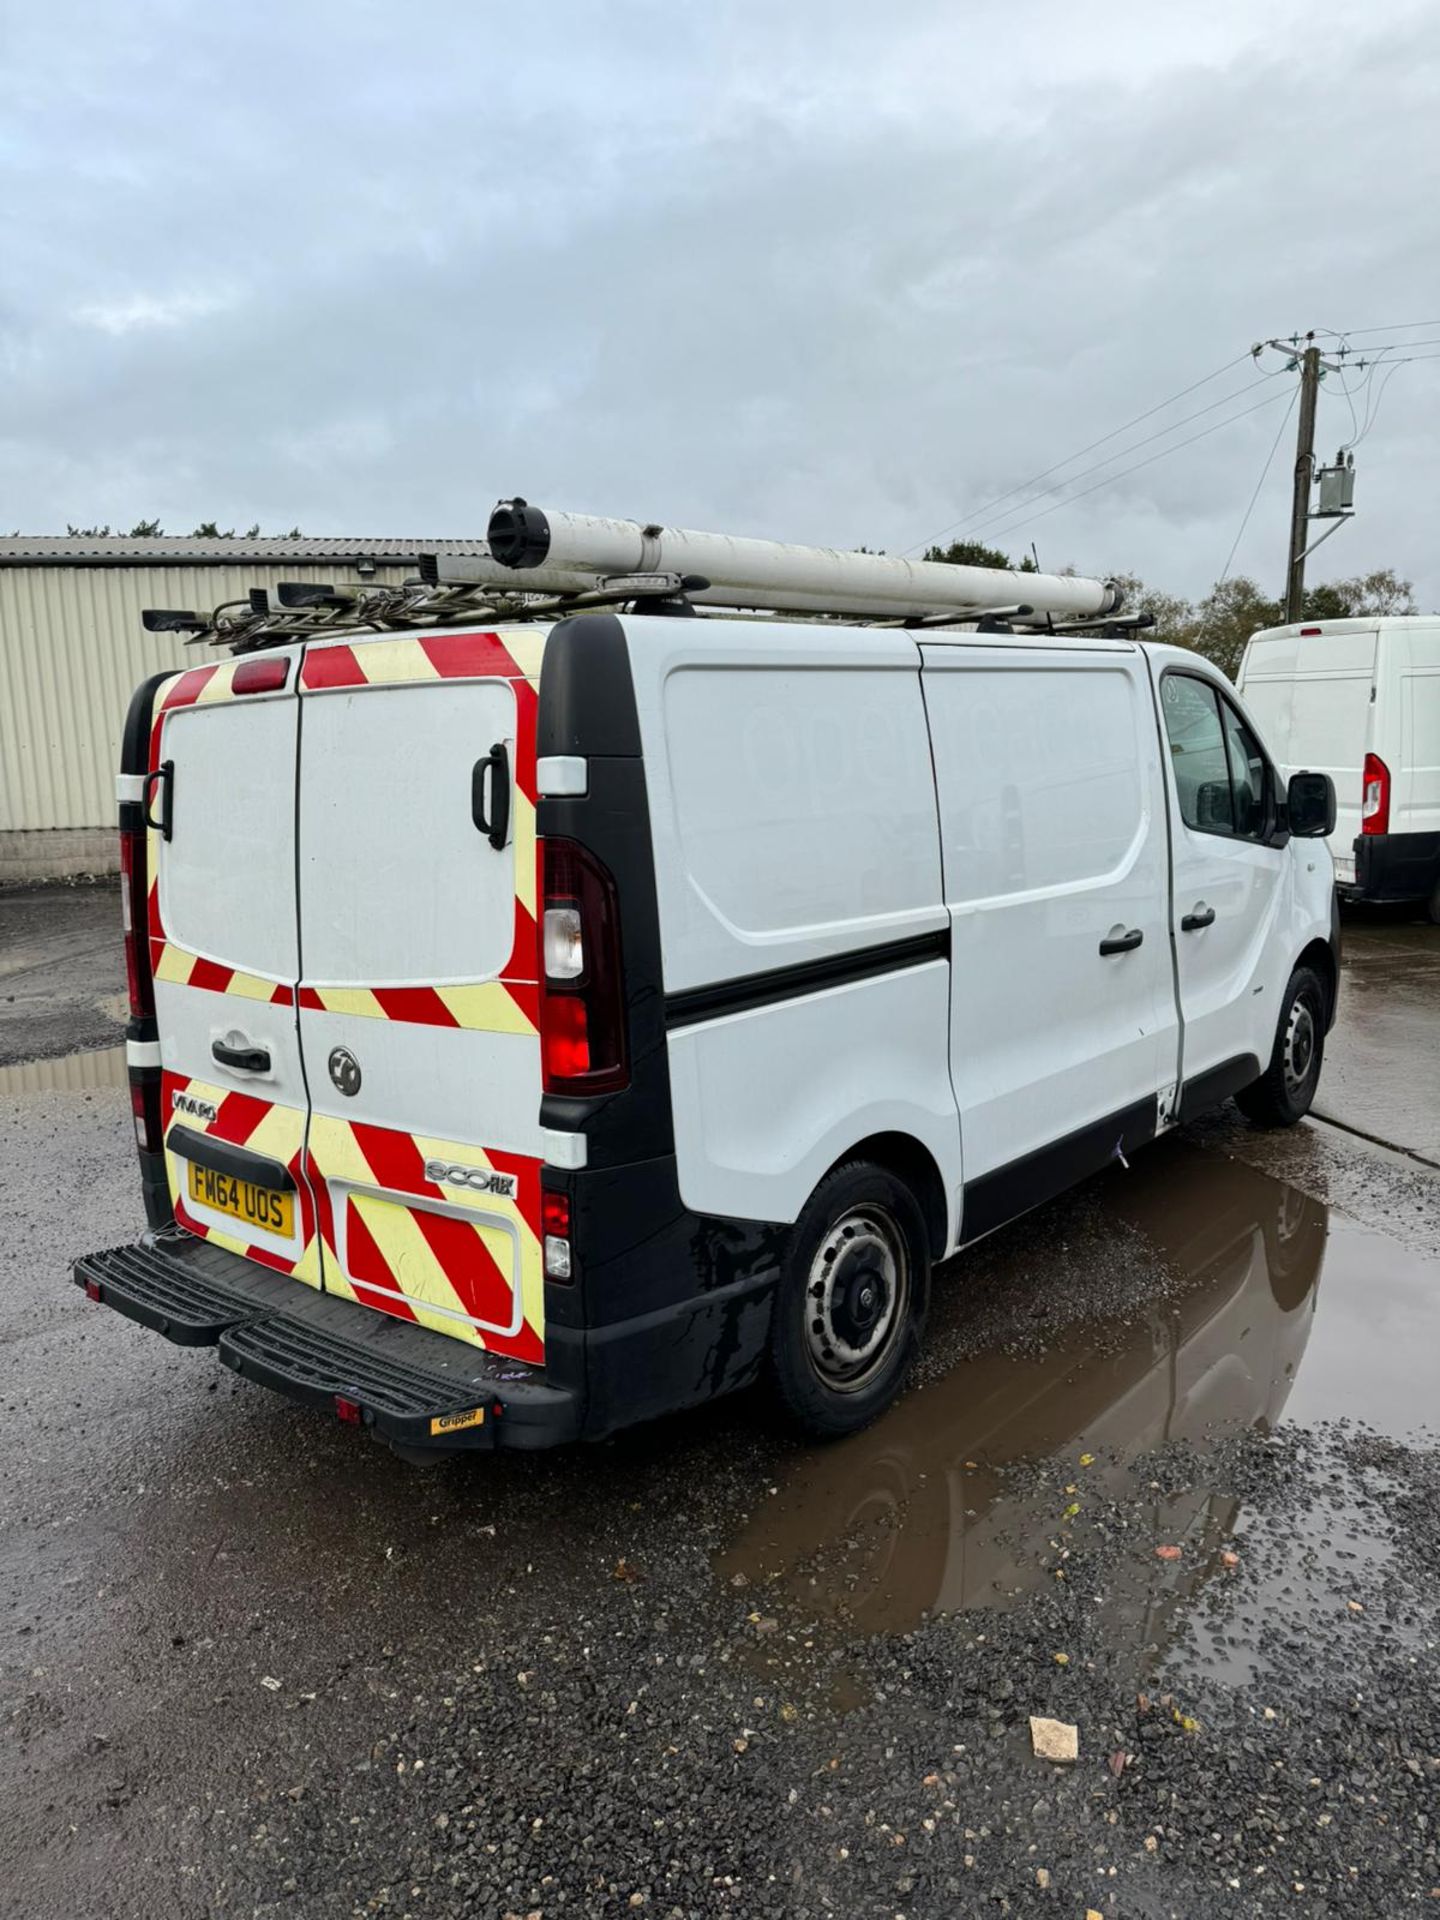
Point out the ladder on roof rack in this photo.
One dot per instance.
(544, 566)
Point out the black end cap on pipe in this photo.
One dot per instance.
(519, 534)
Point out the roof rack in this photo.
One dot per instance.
(544, 566)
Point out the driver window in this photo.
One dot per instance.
(1197, 753)
(1249, 775)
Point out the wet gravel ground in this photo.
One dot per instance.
(62, 970)
(252, 1665)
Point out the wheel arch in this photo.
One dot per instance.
(1320, 959)
(912, 1161)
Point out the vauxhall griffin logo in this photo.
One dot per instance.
(345, 1070)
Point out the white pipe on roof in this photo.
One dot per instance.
(771, 575)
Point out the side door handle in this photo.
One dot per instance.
(1203, 916)
(243, 1059)
(494, 823)
(1122, 942)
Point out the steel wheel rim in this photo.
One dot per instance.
(1300, 1046)
(857, 1296)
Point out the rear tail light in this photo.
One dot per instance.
(555, 1224)
(582, 1001)
(145, 1106)
(1375, 800)
(132, 918)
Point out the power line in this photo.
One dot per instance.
(1205, 432)
(1023, 486)
(1120, 454)
(1274, 444)
(1395, 326)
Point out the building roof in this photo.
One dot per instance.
(60, 550)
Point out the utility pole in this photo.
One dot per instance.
(1304, 478)
(1337, 483)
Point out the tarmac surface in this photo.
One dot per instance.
(1169, 1476)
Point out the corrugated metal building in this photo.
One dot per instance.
(72, 649)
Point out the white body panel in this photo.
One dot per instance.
(1052, 826)
(1313, 699)
(1328, 695)
(791, 799)
(398, 887)
(792, 810)
(768, 1100)
(227, 875)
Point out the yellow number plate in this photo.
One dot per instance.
(252, 1206)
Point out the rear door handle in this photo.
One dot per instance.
(1122, 942)
(493, 822)
(243, 1059)
(1203, 916)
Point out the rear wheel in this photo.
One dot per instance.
(851, 1302)
(1433, 907)
(1283, 1093)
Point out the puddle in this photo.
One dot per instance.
(71, 1073)
(1271, 1309)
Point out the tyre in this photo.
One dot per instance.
(1433, 905)
(1283, 1093)
(851, 1302)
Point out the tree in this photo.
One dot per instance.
(1173, 616)
(146, 530)
(1225, 619)
(975, 553)
(1364, 596)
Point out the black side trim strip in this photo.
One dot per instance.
(1003, 1195)
(1208, 1089)
(221, 1157)
(788, 983)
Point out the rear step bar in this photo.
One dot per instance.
(418, 1390)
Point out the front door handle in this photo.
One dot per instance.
(1203, 916)
(243, 1059)
(1122, 942)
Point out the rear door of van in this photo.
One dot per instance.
(418, 994)
(1312, 697)
(224, 953)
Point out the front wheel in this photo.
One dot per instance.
(851, 1302)
(1283, 1093)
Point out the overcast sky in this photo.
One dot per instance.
(830, 270)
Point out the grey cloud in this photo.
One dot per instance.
(843, 278)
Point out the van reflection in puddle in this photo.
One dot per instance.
(914, 1515)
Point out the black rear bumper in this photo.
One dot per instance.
(1395, 866)
(415, 1389)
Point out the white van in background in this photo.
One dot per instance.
(1360, 700)
(542, 1024)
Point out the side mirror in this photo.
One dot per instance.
(1310, 805)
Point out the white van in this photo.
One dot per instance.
(537, 1028)
(1360, 700)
